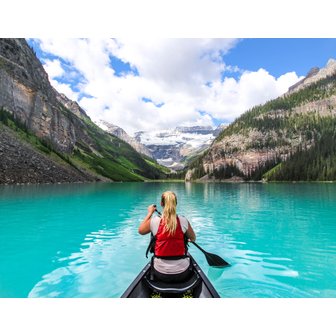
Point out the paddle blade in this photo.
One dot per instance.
(212, 259)
(215, 260)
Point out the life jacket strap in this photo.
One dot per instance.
(151, 245)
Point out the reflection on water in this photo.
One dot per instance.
(82, 241)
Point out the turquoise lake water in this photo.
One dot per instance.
(81, 240)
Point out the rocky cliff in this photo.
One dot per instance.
(29, 104)
(121, 134)
(314, 75)
(269, 135)
(25, 91)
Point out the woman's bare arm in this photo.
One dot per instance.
(144, 227)
(190, 233)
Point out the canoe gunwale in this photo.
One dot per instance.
(136, 281)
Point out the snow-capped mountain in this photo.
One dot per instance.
(172, 147)
(121, 134)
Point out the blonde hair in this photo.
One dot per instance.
(169, 201)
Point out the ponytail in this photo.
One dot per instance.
(169, 201)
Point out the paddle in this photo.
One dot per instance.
(212, 259)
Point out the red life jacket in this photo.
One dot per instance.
(167, 245)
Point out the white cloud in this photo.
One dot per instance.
(65, 88)
(53, 68)
(184, 75)
(175, 63)
(229, 98)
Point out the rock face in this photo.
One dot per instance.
(29, 104)
(269, 134)
(314, 75)
(25, 91)
(21, 163)
(71, 105)
(121, 134)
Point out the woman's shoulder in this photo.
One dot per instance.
(182, 217)
(155, 221)
(154, 224)
(184, 221)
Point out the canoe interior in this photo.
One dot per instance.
(139, 288)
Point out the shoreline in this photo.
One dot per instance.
(169, 181)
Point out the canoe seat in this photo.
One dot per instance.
(178, 288)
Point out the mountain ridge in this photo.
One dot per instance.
(33, 109)
(272, 134)
(315, 74)
(122, 134)
(173, 147)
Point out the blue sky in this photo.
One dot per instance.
(279, 55)
(162, 83)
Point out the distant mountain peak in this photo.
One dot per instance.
(331, 63)
(172, 147)
(312, 72)
(315, 74)
(122, 134)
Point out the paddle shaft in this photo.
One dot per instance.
(198, 246)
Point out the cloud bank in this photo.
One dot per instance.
(157, 84)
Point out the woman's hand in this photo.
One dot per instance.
(151, 209)
(144, 227)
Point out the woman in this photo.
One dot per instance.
(170, 262)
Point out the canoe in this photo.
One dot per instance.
(197, 286)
